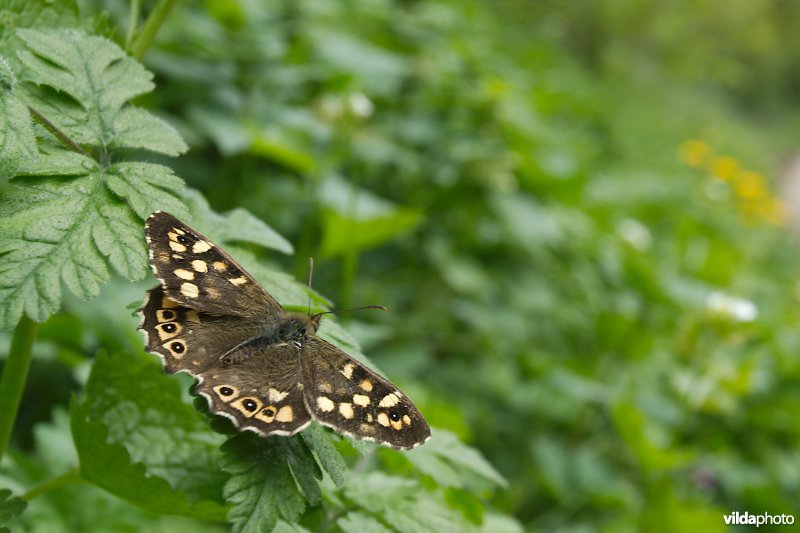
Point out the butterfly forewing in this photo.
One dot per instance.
(345, 395)
(187, 339)
(256, 364)
(198, 274)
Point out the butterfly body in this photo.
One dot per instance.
(257, 364)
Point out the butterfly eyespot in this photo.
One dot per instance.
(167, 315)
(268, 411)
(169, 328)
(182, 239)
(225, 391)
(178, 347)
(250, 405)
(394, 416)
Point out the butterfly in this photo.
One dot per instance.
(259, 365)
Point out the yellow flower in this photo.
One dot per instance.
(695, 152)
(749, 185)
(776, 212)
(724, 167)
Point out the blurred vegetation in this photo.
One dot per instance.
(571, 209)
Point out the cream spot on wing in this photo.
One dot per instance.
(406, 420)
(172, 236)
(383, 419)
(325, 404)
(325, 387)
(347, 371)
(366, 429)
(285, 414)
(276, 396)
(346, 410)
(176, 246)
(201, 246)
(360, 399)
(219, 266)
(184, 274)
(190, 290)
(193, 316)
(369, 417)
(390, 400)
(366, 385)
(241, 280)
(179, 231)
(397, 424)
(213, 293)
(167, 303)
(199, 266)
(177, 257)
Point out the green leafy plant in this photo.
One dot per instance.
(78, 150)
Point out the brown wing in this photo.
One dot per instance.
(345, 395)
(186, 339)
(198, 274)
(262, 393)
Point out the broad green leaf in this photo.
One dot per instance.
(81, 214)
(17, 140)
(34, 14)
(355, 522)
(355, 219)
(447, 459)
(268, 480)
(326, 453)
(10, 506)
(402, 504)
(67, 230)
(238, 225)
(100, 79)
(132, 423)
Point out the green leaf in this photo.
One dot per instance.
(17, 140)
(238, 225)
(139, 441)
(99, 78)
(356, 219)
(271, 478)
(402, 504)
(328, 457)
(69, 231)
(355, 522)
(10, 506)
(447, 460)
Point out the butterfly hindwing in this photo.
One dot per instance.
(345, 395)
(199, 274)
(262, 392)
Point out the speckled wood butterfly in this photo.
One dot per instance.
(256, 363)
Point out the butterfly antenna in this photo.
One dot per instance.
(381, 307)
(310, 274)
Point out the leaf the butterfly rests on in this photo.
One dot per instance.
(256, 363)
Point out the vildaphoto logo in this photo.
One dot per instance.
(746, 519)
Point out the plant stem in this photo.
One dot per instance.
(70, 476)
(150, 27)
(15, 373)
(60, 135)
(133, 22)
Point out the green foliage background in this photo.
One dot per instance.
(592, 282)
